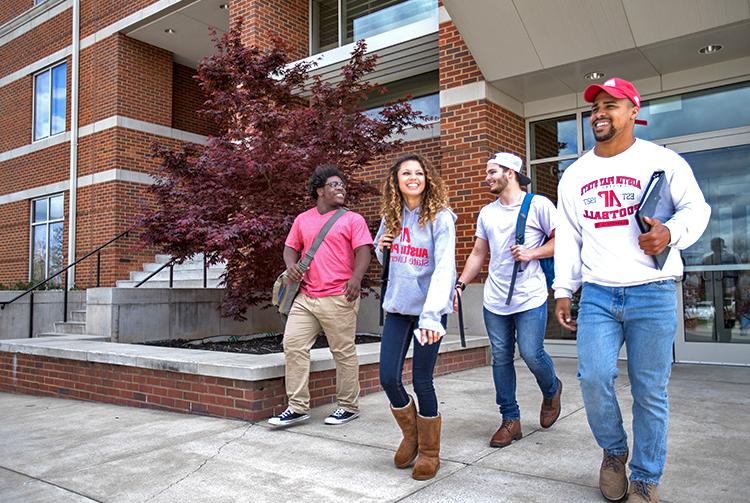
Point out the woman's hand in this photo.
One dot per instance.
(385, 240)
(428, 336)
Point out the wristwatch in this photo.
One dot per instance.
(461, 285)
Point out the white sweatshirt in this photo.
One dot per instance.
(596, 240)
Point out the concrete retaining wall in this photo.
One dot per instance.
(142, 315)
(48, 308)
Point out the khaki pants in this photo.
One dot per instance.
(338, 319)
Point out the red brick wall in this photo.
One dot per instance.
(14, 228)
(45, 39)
(187, 98)
(173, 391)
(98, 14)
(263, 21)
(10, 9)
(144, 81)
(457, 65)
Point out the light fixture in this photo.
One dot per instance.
(710, 49)
(224, 6)
(594, 75)
(169, 30)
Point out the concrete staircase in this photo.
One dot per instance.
(189, 274)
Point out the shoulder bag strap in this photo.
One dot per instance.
(305, 262)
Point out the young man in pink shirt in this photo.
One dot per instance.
(328, 298)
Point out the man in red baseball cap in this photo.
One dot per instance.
(625, 298)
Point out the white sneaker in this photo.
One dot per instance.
(341, 416)
(287, 418)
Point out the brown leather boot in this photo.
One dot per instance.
(428, 462)
(509, 430)
(641, 492)
(406, 417)
(551, 408)
(613, 480)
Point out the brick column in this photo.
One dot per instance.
(265, 19)
(469, 133)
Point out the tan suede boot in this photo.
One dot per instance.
(613, 480)
(428, 431)
(641, 492)
(406, 417)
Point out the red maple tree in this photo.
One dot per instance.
(235, 198)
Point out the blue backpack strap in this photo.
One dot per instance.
(523, 215)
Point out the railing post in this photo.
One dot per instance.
(171, 274)
(205, 271)
(65, 299)
(98, 267)
(31, 315)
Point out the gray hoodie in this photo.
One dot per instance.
(423, 268)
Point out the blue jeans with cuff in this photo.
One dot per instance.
(527, 328)
(398, 333)
(644, 318)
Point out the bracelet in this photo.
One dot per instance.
(461, 285)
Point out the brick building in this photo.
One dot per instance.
(87, 86)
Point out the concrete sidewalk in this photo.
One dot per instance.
(54, 450)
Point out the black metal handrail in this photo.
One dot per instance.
(31, 290)
(170, 264)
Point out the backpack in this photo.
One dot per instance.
(547, 264)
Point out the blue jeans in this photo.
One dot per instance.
(527, 328)
(643, 317)
(398, 332)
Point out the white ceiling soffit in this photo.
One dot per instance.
(191, 22)
(535, 49)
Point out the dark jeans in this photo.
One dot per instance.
(398, 332)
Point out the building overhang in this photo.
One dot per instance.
(534, 50)
(184, 29)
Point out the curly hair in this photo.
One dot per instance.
(319, 177)
(434, 197)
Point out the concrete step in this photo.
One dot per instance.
(185, 266)
(190, 283)
(77, 316)
(70, 327)
(178, 275)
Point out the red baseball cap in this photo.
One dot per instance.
(617, 88)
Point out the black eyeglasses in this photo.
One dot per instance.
(336, 185)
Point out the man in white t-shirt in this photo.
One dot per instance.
(524, 318)
(625, 298)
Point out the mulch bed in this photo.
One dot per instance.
(255, 346)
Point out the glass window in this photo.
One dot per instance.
(362, 19)
(554, 137)
(49, 101)
(424, 92)
(37, 2)
(697, 112)
(47, 238)
(545, 177)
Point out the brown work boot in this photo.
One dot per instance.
(406, 417)
(509, 430)
(641, 492)
(428, 462)
(551, 408)
(613, 481)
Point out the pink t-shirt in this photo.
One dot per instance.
(333, 263)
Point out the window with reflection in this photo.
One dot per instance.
(423, 90)
(47, 238)
(362, 19)
(554, 137)
(49, 101)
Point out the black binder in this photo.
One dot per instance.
(656, 202)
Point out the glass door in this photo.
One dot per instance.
(715, 292)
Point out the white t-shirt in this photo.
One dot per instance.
(596, 240)
(497, 225)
